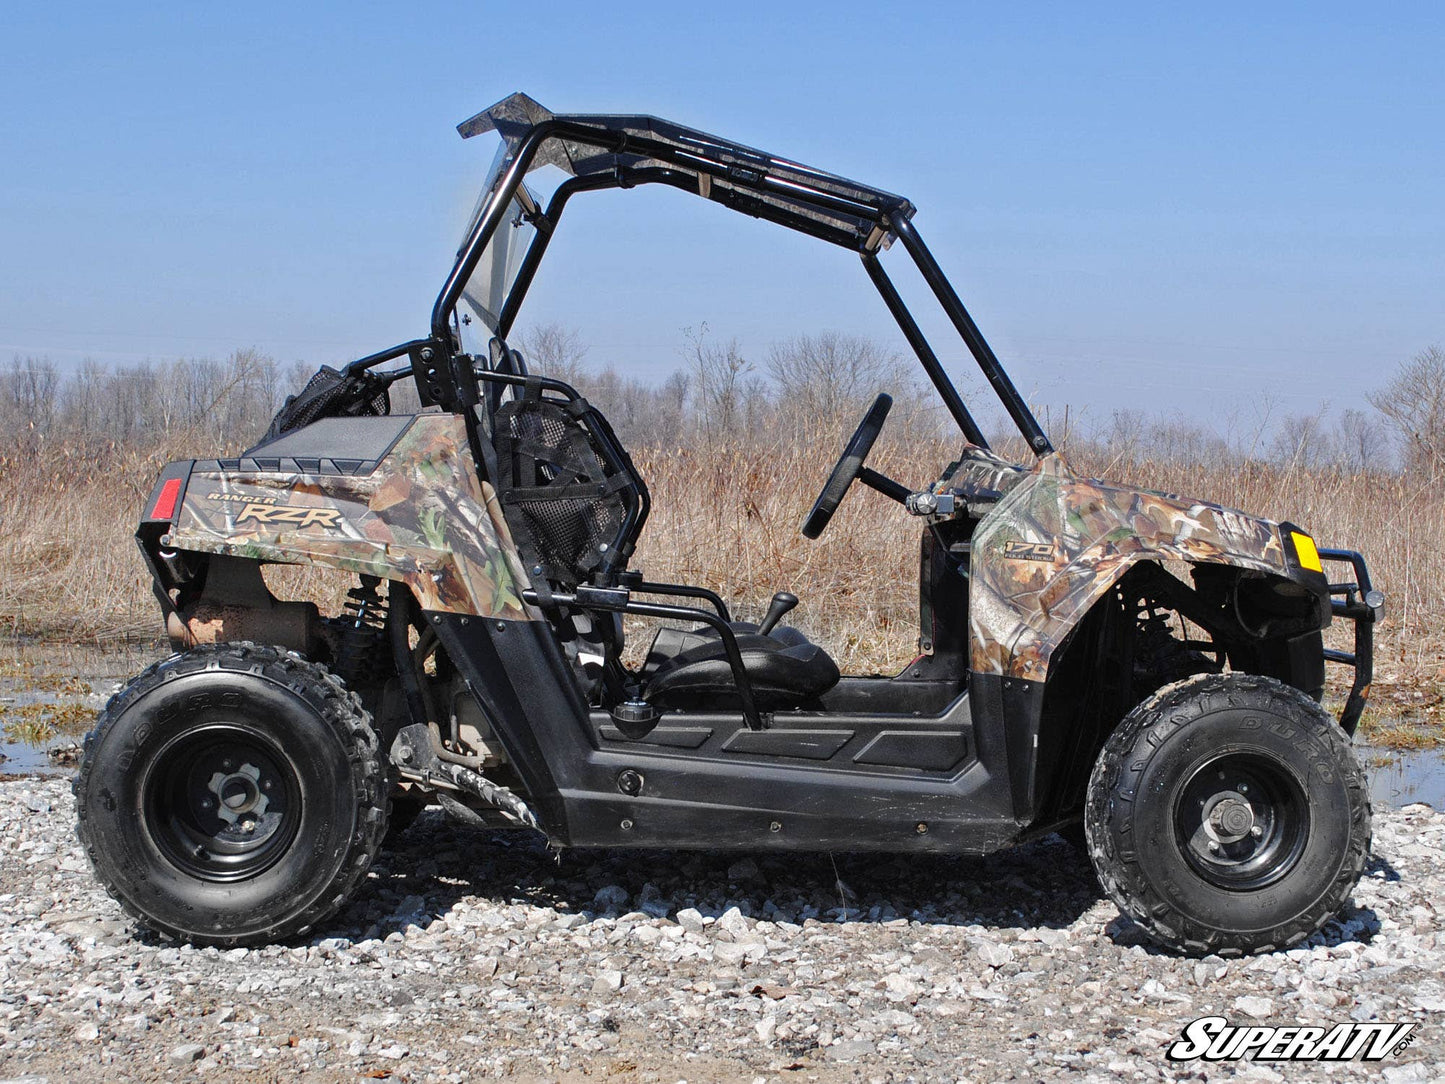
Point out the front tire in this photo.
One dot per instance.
(232, 795)
(1227, 814)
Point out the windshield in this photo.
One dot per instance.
(491, 281)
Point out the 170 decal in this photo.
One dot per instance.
(1019, 550)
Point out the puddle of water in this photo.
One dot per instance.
(1396, 778)
(63, 676)
(21, 759)
(1401, 777)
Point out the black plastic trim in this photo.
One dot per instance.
(707, 798)
(337, 441)
(1363, 605)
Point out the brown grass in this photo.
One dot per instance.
(727, 517)
(36, 724)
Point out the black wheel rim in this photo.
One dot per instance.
(222, 803)
(1241, 820)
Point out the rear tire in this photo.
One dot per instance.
(1227, 814)
(232, 795)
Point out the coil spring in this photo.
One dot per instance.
(361, 627)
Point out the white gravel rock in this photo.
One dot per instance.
(1261, 1008)
(732, 924)
(690, 919)
(995, 954)
(607, 982)
(469, 954)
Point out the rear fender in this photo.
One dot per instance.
(420, 515)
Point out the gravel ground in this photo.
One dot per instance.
(473, 955)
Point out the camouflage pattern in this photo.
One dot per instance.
(422, 517)
(1055, 543)
(979, 472)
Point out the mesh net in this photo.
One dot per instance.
(569, 505)
(330, 394)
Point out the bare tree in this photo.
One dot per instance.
(723, 384)
(1414, 403)
(29, 397)
(553, 350)
(85, 404)
(1302, 441)
(831, 374)
(672, 403)
(1124, 434)
(831, 378)
(1361, 443)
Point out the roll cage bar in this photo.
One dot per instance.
(604, 152)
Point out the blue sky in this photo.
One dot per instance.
(1200, 209)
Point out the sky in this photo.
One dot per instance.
(1218, 211)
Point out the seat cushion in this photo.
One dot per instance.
(668, 643)
(782, 675)
(784, 634)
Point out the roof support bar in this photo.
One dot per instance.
(528, 270)
(735, 195)
(466, 263)
(931, 365)
(987, 361)
(631, 178)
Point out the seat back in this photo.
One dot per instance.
(571, 495)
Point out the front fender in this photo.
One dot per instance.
(1055, 543)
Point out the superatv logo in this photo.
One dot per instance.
(300, 517)
(1214, 1038)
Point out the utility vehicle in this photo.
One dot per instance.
(1142, 665)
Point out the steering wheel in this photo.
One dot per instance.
(854, 452)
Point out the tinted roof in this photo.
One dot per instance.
(779, 183)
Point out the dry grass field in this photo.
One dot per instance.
(726, 515)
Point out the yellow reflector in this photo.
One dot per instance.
(1304, 548)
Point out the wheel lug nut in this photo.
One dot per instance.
(1243, 788)
(1256, 831)
(1213, 847)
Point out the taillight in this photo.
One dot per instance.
(165, 506)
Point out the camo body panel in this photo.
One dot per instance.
(1080, 536)
(422, 517)
(979, 470)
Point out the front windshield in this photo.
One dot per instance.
(491, 281)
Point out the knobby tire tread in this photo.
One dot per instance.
(334, 703)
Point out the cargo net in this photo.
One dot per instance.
(565, 504)
(330, 394)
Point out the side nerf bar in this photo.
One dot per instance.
(1363, 605)
(619, 600)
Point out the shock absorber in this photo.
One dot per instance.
(361, 628)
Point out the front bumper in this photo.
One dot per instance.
(1363, 605)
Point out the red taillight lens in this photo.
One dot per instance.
(165, 506)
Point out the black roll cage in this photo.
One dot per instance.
(639, 150)
(808, 201)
